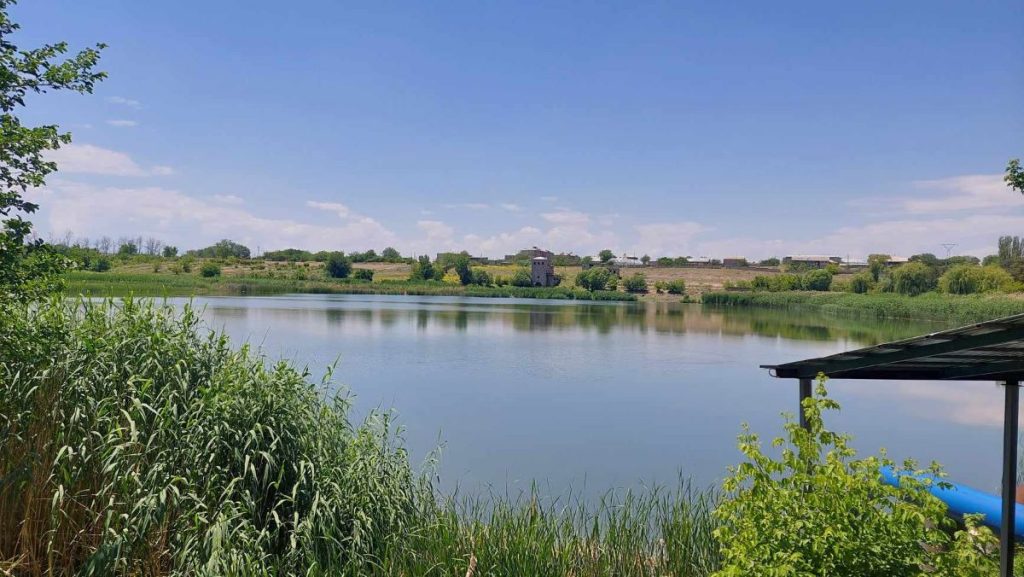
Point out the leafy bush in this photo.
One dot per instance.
(816, 509)
(422, 269)
(338, 265)
(967, 279)
(481, 277)
(676, 287)
(209, 269)
(362, 274)
(101, 264)
(861, 283)
(816, 280)
(637, 283)
(596, 278)
(912, 279)
(521, 278)
(776, 283)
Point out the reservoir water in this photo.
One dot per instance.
(599, 396)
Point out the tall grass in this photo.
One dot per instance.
(953, 308)
(135, 442)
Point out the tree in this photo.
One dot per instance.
(362, 274)
(29, 268)
(422, 269)
(773, 261)
(816, 280)
(461, 264)
(913, 279)
(481, 277)
(170, 251)
(1015, 176)
(646, 260)
(1011, 255)
(223, 249)
(338, 265)
(876, 264)
(128, 249)
(595, 279)
(606, 255)
(861, 283)
(390, 254)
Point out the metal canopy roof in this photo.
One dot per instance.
(988, 351)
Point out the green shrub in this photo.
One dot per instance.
(338, 265)
(861, 283)
(521, 278)
(209, 269)
(676, 287)
(362, 274)
(101, 264)
(637, 283)
(776, 283)
(660, 287)
(816, 280)
(969, 279)
(596, 278)
(912, 279)
(816, 509)
(481, 277)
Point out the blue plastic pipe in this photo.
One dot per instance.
(963, 500)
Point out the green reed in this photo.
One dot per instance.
(135, 442)
(931, 306)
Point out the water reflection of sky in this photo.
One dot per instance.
(604, 394)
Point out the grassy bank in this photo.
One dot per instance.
(134, 442)
(155, 284)
(953, 308)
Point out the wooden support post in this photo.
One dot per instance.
(1006, 531)
(805, 393)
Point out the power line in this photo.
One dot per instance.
(949, 246)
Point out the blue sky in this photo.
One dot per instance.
(702, 129)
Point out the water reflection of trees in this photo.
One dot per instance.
(673, 318)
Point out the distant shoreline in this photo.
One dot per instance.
(931, 306)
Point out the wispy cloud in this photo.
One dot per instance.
(337, 208)
(510, 207)
(228, 199)
(122, 123)
(129, 102)
(91, 159)
(970, 192)
(468, 206)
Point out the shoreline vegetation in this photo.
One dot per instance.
(926, 307)
(151, 284)
(140, 442)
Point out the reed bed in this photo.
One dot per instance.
(133, 441)
(953, 308)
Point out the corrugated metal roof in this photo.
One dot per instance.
(989, 351)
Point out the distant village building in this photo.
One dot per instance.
(812, 260)
(627, 261)
(734, 262)
(542, 270)
(699, 262)
(897, 260)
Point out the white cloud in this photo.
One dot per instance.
(468, 206)
(191, 221)
(124, 101)
(668, 238)
(970, 192)
(509, 206)
(337, 208)
(91, 159)
(122, 123)
(228, 199)
(567, 217)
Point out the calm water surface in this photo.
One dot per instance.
(598, 396)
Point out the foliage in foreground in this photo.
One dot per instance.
(135, 442)
(817, 510)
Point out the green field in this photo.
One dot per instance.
(932, 306)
